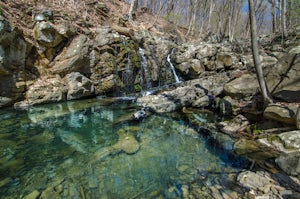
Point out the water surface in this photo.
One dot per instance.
(72, 150)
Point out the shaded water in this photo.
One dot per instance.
(69, 150)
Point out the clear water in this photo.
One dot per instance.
(67, 151)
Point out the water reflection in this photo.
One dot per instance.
(78, 150)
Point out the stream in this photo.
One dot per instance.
(94, 149)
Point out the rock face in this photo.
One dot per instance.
(12, 64)
(78, 86)
(74, 58)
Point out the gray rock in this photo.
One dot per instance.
(290, 163)
(79, 86)
(291, 139)
(244, 86)
(281, 113)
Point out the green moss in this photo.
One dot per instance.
(137, 88)
(274, 138)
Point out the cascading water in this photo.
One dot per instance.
(127, 74)
(145, 78)
(172, 66)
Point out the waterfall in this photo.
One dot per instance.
(172, 66)
(145, 75)
(127, 74)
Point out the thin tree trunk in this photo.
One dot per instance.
(258, 67)
(283, 18)
(133, 6)
(274, 15)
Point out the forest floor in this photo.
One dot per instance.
(86, 16)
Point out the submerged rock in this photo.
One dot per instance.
(33, 195)
(127, 142)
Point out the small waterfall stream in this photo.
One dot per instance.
(145, 74)
(172, 66)
(127, 74)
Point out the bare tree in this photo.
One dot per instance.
(274, 17)
(283, 18)
(133, 6)
(258, 67)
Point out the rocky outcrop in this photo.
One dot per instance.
(197, 93)
(79, 86)
(74, 58)
(13, 50)
(45, 90)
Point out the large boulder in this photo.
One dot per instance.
(284, 77)
(12, 64)
(282, 113)
(74, 58)
(79, 86)
(241, 87)
(45, 90)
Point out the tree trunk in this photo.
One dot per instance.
(133, 6)
(274, 15)
(283, 18)
(258, 67)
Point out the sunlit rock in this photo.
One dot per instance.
(74, 58)
(45, 90)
